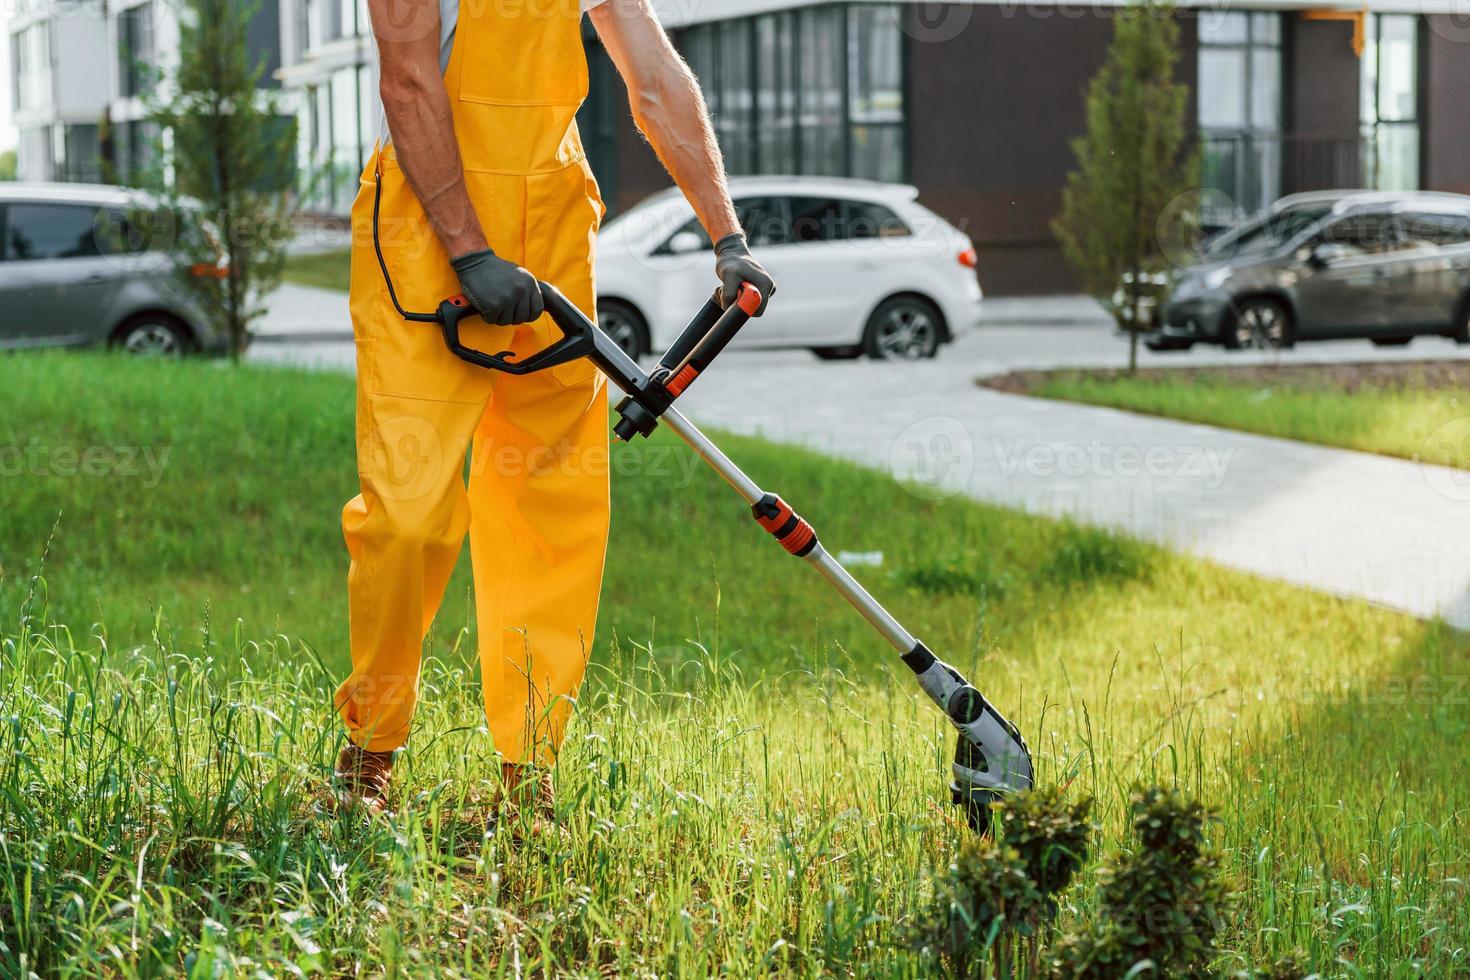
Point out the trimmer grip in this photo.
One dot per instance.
(576, 335)
(703, 344)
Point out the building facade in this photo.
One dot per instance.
(83, 71)
(977, 104)
(57, 49)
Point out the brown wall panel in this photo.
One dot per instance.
(1321, 111)
(1446, 46)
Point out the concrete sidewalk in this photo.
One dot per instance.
(1389, 531)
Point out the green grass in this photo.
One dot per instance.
(1408, 421)
(325, 270)
(751, 784)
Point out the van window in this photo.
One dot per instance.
(1368, 232)
(51, 231)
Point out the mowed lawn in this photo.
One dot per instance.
(324, 270)
(1414, 410)
(751, 785)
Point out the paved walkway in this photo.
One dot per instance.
(1391, 531)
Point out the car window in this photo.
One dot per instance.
(1437, 229)
(1265, 234)
(816, 219)
(1367, 232)
(763, 219)
(868, 220)
(51, 231)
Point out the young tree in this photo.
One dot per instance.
(1134, 160)
(227, 165)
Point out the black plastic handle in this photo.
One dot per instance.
(577, 340)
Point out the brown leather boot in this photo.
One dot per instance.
(362, 777)
(525, 803)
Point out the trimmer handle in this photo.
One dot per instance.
(576, 335)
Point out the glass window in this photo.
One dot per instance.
(775, 35)
(30, 51)
(1390, 101)
(135, 50)
(816, 219)
(1367, 233)
(820, 81)
(865, 219)
(1437, 229)
(50, 231)
(814, 91)
(1240, 105)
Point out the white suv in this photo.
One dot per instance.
(861, 268)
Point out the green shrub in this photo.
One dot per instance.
(1160, 906)
(1000, 892)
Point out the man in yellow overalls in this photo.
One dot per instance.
(483, 189)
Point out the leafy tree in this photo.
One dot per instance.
(7, 165)
(227, 155)
(1134, 160)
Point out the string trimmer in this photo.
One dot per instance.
(990, 756)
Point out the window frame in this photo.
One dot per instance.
(1374, 126)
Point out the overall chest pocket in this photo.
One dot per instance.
(521, 52)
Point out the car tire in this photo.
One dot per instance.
(153, 335)
(837, 353)
(1260, 323)
(623, 323)
(1391, 341)
(1461, 334)
(1163, 346)
(903, 328)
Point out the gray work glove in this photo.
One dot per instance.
(503, 292)
(734, 265)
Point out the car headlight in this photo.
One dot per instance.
(1216, 278)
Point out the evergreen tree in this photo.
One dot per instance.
(227, 156)
(1134, 159)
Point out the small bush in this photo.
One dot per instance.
(955, 577)
(1002, 889)
(1161, 906)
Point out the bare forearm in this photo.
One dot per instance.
(670, 111)
(422, 125)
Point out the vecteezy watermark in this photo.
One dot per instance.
(933, 457)
(37, 459)
(1099, 459)
(1444, 459)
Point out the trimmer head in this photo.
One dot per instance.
(990, 756)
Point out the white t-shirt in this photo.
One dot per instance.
(449, 19)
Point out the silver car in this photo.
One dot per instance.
(1385, 267)
(76, 270)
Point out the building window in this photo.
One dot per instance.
(1240, 105)
(30, 65)
(1390, 102)
(135, 50)
(813, 91)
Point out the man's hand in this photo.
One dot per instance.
(735, 265)
(504, 293)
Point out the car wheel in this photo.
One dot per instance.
(1461, 334)
(624, 324)
(904, 328)
(1160, 346)
(153, 335)
(1391, 341)
(837, 353)
(1261, 323)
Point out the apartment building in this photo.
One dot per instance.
(82, 74)
(56, 50)
(976, 103)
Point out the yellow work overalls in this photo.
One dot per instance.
(536, 505)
